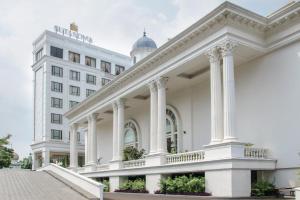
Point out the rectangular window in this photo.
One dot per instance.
(57, 71)
(119, 69)
(56, 118)
(74, 90)
(39, 55)
(105, 66)
(91, 79)
(104, 81)
(89, 61)
(89, 92)
(56, 134)
(56, 87)
(74, 57)
(74, 75)
(56, 102)
(56, 52)
(73, 103)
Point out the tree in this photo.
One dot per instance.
(6, 154)
(27, 162)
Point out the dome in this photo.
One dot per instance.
(144, 42)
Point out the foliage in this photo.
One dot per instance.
(27, 162)
(106, 185)
(182, 185)
(263, 188)
(135, 186)
(132, 153)
(6, 154)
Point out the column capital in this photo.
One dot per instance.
(114, 106)
(213, 55)
(226, 47)
(161, 82)
(152, 86)
(74, 126)
(93, 116)
(121, 102)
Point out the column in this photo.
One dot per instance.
(73, 146)
(85, 147)
(153, 117)
(92, 119)
(46, 157)
(161, 114)
(120, 125)
(33, 156)
(228, 90)
(216, 96)
(115, 132)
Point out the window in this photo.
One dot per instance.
(56, 87)
(89, 92)
(56, 102)
(56, 52)
(73, 103)
(171, 131)
(74, 75)
(74, 57)
(105, 81)
(74, 90)
(119, 69)
(89, 61)
(57, 71)
(56, 118)
(39, 55)
(130, 134)
(105, 66)
(56, 134)
(91, 79)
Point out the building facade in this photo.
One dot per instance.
(66, 71)
(221, 99)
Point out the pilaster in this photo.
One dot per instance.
(153, 117)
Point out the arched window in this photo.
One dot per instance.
(131, 134)
(171, 131)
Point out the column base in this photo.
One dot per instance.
(152, 182)
(224, 150)
(228, 183)
(155, 159)
(115, 164)
(115, 182)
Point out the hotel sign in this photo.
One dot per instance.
(73, 34)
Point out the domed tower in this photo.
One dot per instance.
(142, 48)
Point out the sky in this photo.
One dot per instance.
(113, 24)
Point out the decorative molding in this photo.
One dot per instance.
(213, 55)
(227, 47)
(161, 82)
(152, 86)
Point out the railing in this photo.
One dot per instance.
(192, 156)
(102, 167)
(83, 182)
(134, 163)
(250, 152)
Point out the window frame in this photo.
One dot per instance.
(73, 103)
(105, 66)
(89, 92)
(74, 59)
(53, 103)
(94, 82)
(118, 68)
(54, 72)
(54, 87)
(71, 90)
(105, 81)
(91, 59)
(55, 131)
(56, 52)
(39, 54)
(76, 77)
(56, 121)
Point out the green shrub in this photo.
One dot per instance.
(106, 185)
(263, 188)
(137, 185)
(182, 184)
(132, 153)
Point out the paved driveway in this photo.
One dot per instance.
(16, 184)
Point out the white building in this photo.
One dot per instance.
(222, 96)
(65, 71)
